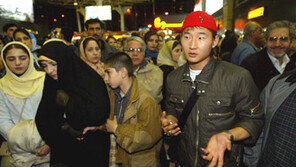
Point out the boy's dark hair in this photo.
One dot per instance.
(120, 60)
(92, 21)
(22, 31)
(67, 33)
(8, 25)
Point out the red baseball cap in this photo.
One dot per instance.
(201, 19)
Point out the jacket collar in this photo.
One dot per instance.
(134, 96)
(205, 75)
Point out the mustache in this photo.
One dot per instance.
(277, 47)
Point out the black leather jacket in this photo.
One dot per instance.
(228, 98)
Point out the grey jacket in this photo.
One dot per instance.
(228, 98)
(272, 96)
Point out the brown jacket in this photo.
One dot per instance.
(138, 137)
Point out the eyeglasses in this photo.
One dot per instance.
(282, 39)
(130, 50)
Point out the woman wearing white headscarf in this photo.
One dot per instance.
(20, 94)
(168, 59)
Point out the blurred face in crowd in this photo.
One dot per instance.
(278, 42)
(152, 42)
(92, 52)
(17, 60)
(136, 52)
(160, 42)
(112, 42)
(112, 77)
(50, 67)
(258, 34)
(95, 30)
(176, 52)
(23, 38)
(197, 43)
(119, 46)
(9, 32)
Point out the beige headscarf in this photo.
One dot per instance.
(165, 55)
(98, 67)
(24, 86)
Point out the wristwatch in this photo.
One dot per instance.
(230, 135)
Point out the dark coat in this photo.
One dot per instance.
(228, 98)
(262, 69)
(87, 105)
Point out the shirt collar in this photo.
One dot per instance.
(276, 63)
(274, 60)
(117, 92)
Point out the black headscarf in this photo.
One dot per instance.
(88, 103)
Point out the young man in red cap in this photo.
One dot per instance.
(227, 113)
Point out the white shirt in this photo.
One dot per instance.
(194, 73)
(276, 63)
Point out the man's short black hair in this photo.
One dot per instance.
(120, 60)
(92, 21)
(8, 25)
(67, 33)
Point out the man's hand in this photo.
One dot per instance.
(43, 150)
(168, 126)
(216, 148)
(111, 125)
(85, 130)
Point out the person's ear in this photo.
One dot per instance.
(215, 41)
(124, 72)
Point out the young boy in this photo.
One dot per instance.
(134, 119)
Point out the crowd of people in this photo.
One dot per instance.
(197, 100)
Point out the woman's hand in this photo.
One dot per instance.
(43, 150)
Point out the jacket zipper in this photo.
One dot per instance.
(220, 114)
(253, 109)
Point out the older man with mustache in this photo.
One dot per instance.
(273, 59)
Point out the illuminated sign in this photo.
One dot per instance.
(256, 13)
(158, 24)
(198, 6)
(212, 6)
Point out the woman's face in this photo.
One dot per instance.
(17, 61)
(152, 42)
(119, 46)
(50, 68)
(23, 38)
(112, 42)
(92, 52)
(176, 52)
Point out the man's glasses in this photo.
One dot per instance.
(139, 50)
(282, 39)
